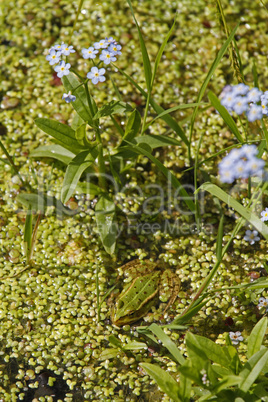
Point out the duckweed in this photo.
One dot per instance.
(50, 334)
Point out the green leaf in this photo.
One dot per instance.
(64, 134)
(204, 346)
(210, 73)
(132, 126)
(174, 181)
(226, 382)
(80, 135)
(54, 151)
(256, 337)
(88, 188)
(225, 115)
(234, 362)
(160, 52)
(182, 319)
(219, 238)
(28, 231)
(76, 122)
(113, 107)
(72, 83)
(164, 380)
(156, 141)
(105, 215)
(74, 171)
(190, 371)
(173, 109)
(231, 202)
(145, 57)
(40, 202)
(252, 369)
(135, 346)
(167, 342)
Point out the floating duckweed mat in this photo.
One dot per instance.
(57, 340)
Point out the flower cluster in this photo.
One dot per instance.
(241, 99)
(54, 57)
(236, 337)
(241, 163)
(108, 49)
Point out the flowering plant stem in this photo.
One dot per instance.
(102, 181)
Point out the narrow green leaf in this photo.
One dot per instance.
(115, 341)
(135, 346)
(172, 123)
(54, 151)
(145, 57)
(40, 202)
(113, 107)
(206, 347)
(191, 371)
(225, 115)
(74, 171)
(231, 202)
(167, 342)
(183, 319)
(156, 141)
(164, 380)
(77, 121)
(219, 238)
(210, 73)
(88, 188)
(73, 84)
(28, 231)
(174, 181)
(256, 337)
(80, 135)
(173, 109)
(64, 134)
(160, 52)
(228, 381)
(252, 369)
(132, 126)
(105, 215)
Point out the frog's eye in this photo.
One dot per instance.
(120, 304)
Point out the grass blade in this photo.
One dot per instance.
(256, 337)
(54, 151)
(219, 239)
(167, 342)
(28, 231)
(230, 201)
(208, 77)
(74, 171)
(225, 115)
(164, 380)
(145, 57)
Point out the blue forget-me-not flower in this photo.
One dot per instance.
(241, 163)
(96, 75)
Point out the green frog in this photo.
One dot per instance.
(143, 291)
